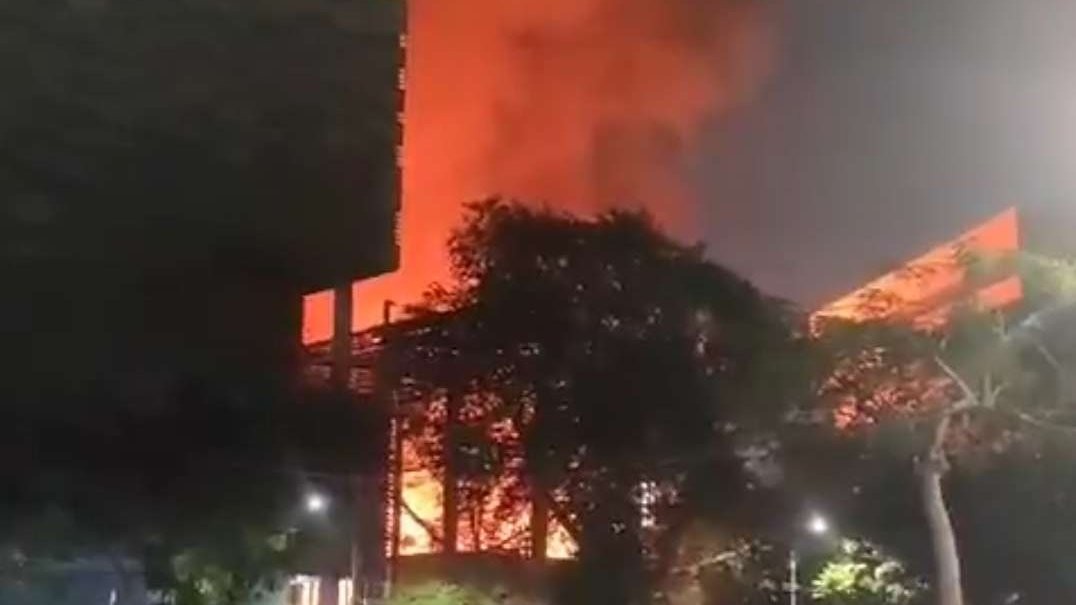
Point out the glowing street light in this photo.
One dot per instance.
(316, 503)
(818, 525)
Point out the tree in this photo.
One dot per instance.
(976, 384)
(860, 574)
(439, 593)
(202, 487)
(625, 368)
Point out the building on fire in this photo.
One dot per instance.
(926, 289)
(426, 510)
(429, 510)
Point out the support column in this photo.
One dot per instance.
(450, 517)
(343, 304)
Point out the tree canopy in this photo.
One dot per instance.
(612, 371)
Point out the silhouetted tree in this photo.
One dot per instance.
(626, 369)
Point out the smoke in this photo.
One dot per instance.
(582, 104)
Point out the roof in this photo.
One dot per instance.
(924, 289)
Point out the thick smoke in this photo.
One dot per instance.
(582, 104)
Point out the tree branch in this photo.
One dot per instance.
(1043, 424)
(434, 534)
(969, 394)
(694, 568)
(561, 516)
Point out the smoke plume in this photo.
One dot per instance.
(582, 104)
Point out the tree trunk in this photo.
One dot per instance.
(450, 515)
(539, 529)
(942, 538)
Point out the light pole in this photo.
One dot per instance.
(816, 525)
(317, 503)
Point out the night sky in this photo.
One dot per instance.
(885, 127)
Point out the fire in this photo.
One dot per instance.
(589, 103)
(499, 520)
(585, 103)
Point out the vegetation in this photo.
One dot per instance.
(617, 384)
(440, 593)
(979, 384)
(616, 360)
(860, 574)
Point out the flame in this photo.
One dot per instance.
(583, 104)
(422, 519)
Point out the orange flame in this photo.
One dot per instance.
(584, 103)
(589, 103)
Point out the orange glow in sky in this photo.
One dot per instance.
(582, 104)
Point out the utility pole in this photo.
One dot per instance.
(343, 304)
(358, 575)
(793, 578)
(340, 377)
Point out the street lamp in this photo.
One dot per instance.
(816, 525)
(316, 503)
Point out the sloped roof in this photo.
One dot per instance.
(924, 289)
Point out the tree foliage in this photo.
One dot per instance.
(961, 391)
(860, 574)
(202, 485)
(440, 593)
(592, 357)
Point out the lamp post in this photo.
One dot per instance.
(317, 503)
(816, 525)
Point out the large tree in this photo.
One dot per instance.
(981, 382)
(626, 370)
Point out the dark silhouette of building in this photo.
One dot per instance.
(174, 177)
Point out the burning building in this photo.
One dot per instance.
(429, 507)
(580, 104)
(925, 290)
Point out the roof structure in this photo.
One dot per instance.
(925, 290)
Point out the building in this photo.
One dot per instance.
(417, 501)
(925, 290)
(176, 176)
